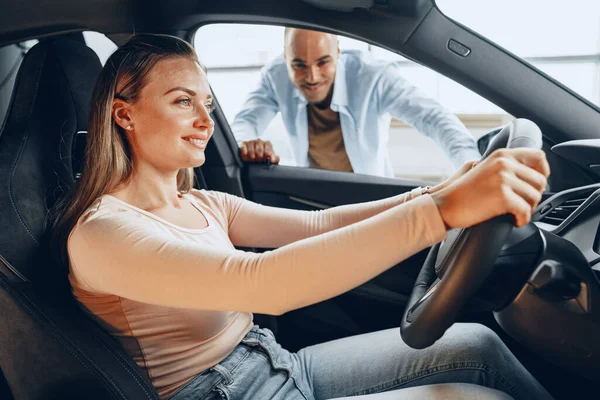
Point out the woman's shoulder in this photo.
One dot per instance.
(223, 206)
(107, 205)
(215, 198)
(104, 213)
(208, 198)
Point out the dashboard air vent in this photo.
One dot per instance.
(560, 213)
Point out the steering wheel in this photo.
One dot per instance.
(455, 269)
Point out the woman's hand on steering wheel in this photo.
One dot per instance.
(509, 181)
(466, 167)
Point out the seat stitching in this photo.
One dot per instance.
(119, 357)
(144, 358)
(116, 355)
(23, 143)
(65, 338)
(30, 307)
(59, 180)
(70, 93)
(131, 372)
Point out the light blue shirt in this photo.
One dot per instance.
(367, 93)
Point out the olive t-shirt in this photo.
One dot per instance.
(326, 148)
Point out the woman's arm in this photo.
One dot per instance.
(122, 255)
(255, 225)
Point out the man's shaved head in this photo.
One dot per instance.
(311, 58)
(292, 35)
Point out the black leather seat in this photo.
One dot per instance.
(49, 349)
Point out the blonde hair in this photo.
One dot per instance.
(107, 160)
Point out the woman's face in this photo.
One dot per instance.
(169, 125)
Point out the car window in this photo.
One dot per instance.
(102, 45)
(10, 60)
(239, 57)
(559, 38)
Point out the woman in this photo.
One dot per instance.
(153, 260)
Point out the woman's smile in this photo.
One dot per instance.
(197, 142)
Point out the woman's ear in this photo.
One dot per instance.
(121, 114)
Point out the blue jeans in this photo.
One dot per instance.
(259, 368)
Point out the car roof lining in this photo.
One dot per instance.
(45, 17)
(395, 27)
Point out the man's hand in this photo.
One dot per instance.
(258, 150)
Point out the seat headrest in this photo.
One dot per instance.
(50, 104)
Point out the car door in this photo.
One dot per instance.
(377, 304)
(374, 305)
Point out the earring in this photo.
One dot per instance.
(129, 127)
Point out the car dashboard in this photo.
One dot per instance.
(557, 312)
(574, 215)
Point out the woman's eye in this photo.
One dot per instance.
(185, 102)
(209, 107)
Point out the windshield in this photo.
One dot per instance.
(561, 38)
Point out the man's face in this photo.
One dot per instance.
(311, 59)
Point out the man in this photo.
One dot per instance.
(337, 108)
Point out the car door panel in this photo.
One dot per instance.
(374, 305)
(321, 187)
